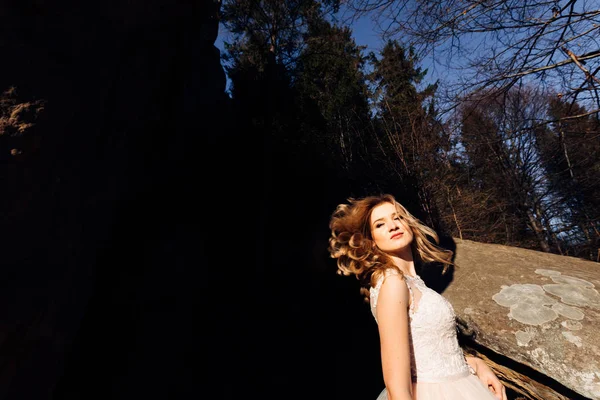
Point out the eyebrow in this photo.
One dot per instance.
(379, 219)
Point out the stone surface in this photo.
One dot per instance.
(540, 310)
(104, 270)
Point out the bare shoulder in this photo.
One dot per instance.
(393, 291)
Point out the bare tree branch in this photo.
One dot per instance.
(490, 46)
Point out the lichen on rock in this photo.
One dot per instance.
(572, 325)
(571, 280)
(568, 311)
(524, 337)
(528, 303)
(547, 272)
(575, 295)
(571, 337)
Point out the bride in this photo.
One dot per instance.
(379, 242)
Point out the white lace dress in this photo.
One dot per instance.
(438, 366)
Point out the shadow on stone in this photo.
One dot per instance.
(433, 273)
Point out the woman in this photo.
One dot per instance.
(377, 240)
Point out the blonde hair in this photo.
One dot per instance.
(352, 244)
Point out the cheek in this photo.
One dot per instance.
(407, 227)
(408, 230)
(376, 238)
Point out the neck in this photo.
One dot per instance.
(405, 262)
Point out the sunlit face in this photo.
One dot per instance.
(389, 230)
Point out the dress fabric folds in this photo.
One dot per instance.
(438, 366)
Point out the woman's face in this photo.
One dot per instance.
(389, 230)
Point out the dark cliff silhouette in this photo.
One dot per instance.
(154, 245)
(103, 251)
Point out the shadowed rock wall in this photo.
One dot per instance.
(103, 266)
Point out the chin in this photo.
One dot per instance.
(399, 248)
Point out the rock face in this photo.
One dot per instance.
(103, 260)
(538, 312)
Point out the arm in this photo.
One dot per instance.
(487, 377)
(392, 317)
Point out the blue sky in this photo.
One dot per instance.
(365, 34)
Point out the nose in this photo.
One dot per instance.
(394, 226)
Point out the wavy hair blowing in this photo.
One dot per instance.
(352, 244)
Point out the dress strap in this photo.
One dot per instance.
(374, 292)
(411, 306)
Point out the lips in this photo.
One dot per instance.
(397, 235)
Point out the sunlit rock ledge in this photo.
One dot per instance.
(534, 316)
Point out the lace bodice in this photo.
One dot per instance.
(435, 353)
